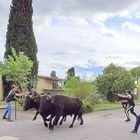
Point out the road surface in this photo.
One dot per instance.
(101, 125)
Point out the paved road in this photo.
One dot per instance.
(102, 125)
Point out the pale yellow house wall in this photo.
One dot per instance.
(44, 83)
(1, 89)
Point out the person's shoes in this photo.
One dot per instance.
(133, 131)
(9, 120)
(127, 120)
(4, 118)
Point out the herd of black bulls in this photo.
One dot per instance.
(52, 108)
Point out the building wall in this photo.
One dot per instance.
(1, 89)
(44, 83)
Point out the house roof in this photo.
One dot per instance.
(51, 78)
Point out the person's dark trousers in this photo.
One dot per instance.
(132, 112)
(131, 109)
(137, 124)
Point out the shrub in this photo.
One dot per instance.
(94, 98)
(82, 89)
(87, 106)
(20, 101)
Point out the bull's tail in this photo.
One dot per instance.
(80, 112)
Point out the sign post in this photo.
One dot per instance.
(15, 109)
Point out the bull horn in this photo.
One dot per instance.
(52, 101)
(30, 96)
(48, 97)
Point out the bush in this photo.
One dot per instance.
(94, 98)
(21, 101)
(82, 89)
(87, 106)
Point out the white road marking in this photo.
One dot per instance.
(8, 138)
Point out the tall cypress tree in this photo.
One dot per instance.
(20, 35)
(71, 72)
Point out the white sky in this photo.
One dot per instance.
(87, 35)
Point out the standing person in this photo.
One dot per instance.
(123, 101)
(11, 96)
(137, 123)
(124, 105)
(131, 104)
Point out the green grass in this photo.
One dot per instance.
(137, 101)
(106, 106)
(2, 103)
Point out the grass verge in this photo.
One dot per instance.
(106, 106)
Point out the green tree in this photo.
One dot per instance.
(16, 68)
(137, 85)
(115, 79)
(53, 74)
(71, 72)
(73, 86)
(20, 35)
(136, 73)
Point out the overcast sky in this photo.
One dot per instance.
(85, 34)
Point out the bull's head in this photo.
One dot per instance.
(28, 104)
(46, 103)
(32, 101)
(47, 99)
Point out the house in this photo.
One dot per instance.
(45, 84)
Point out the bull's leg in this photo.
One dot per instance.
(74, 118)
(81, 123)
(48, 119)
(51, 126)
(55, 122)
(44, 119)
(35, 116)
(81, 118)
(63, 118)
(45, 123)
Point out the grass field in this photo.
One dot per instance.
(108, 105)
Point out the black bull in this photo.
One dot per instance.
(55, 106)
